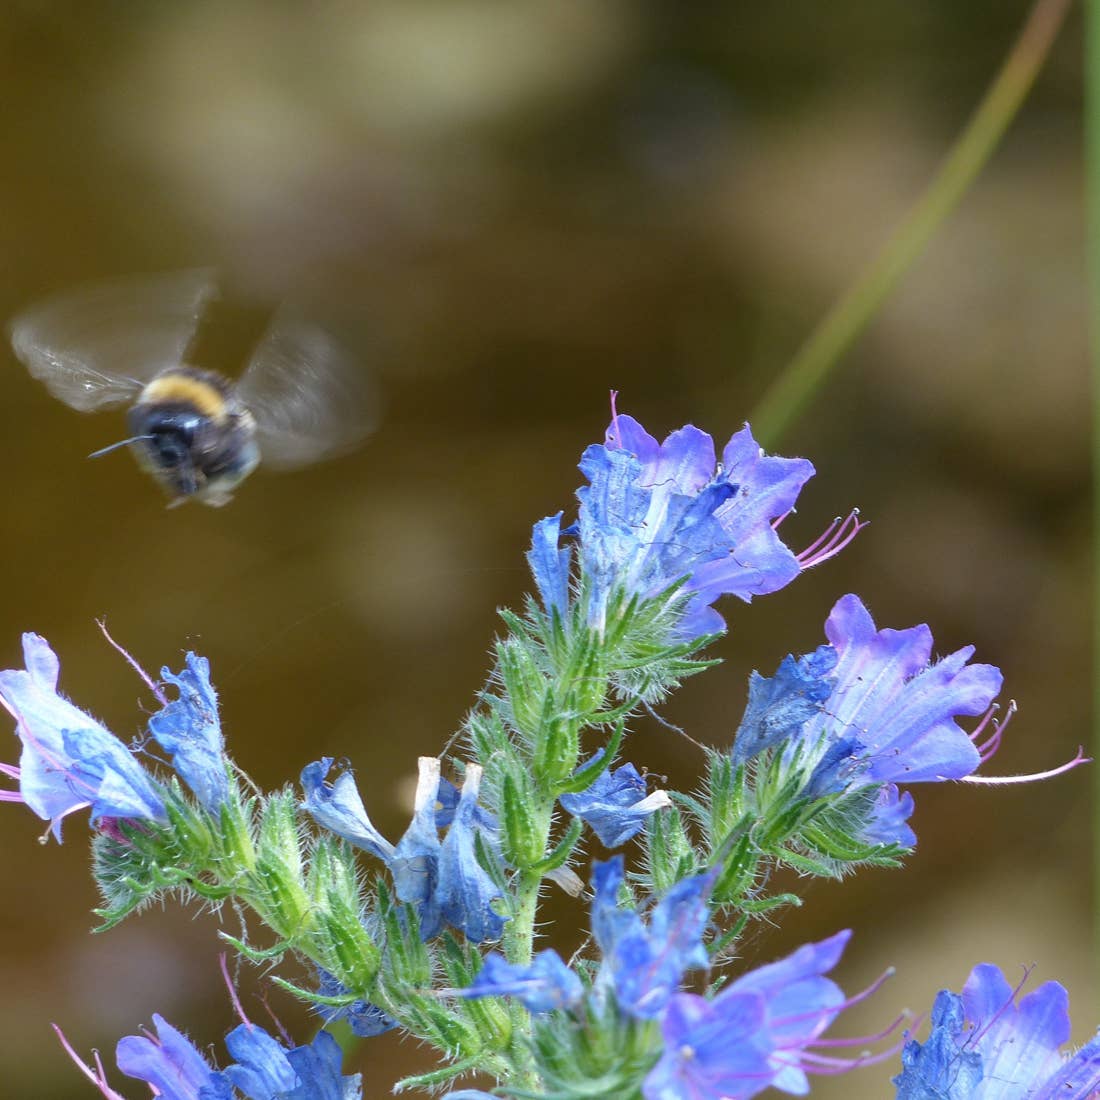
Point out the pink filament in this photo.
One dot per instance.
(832, 540)
(149, 683)
(1033, 777)
(616, 435)
(98, 1076)
(13, 772)
(223, 964)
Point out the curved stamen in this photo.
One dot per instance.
(236, 1001)
(149, 682)
(783, 1021)
(1033, 777)
(98, 1076)
(988, 748)
(615, 433)
(826, 534)
(832, 540)
(976, 1036)
(12, 772)
(861, 1040)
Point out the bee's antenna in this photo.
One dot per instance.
(120, 443)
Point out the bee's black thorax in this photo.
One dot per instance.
(197, 438)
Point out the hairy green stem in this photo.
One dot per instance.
(791, 392)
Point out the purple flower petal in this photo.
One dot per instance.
(69, 760)
(189, 730)
(338, 807)
(544, 985)
(616, 805)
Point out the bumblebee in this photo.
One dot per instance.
(300, 399)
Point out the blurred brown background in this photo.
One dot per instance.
(509, 208)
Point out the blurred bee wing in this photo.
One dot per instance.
(310, 397)
(97, 346)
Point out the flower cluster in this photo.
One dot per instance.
(435, 935)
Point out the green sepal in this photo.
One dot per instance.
(427, 1082)
(670, 854)
(562, 850)
(275, 888)
(524, 842)
(765, 905)
(405, 958)
(257, 954)
(587, 774)
(525, 685)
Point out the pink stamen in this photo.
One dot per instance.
(12, 772)
(831, 1067)
(789, 512)
(288, 1042)
(615, 434)
(98, 1076)
(833, 539)
(234, 999)
(975, 1036)
(988, 748)
(820, 538)
(149, 683)
(976, 732)
(1033, 777)
(863, 1039)
(874, 987)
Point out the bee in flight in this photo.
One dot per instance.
(300, 399)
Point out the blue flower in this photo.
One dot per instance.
(544, 985)
(870, 708)
(616, 805)
(985, 1046)
(171, 1064)
(443, 879)
(779, 706)
(654, 514)
(644, 964)
(415, 861)
(320, 1077)
(188, 729)
(751, 1036)
(338, 807)
(365, 1019)
(263, 1068)
(69, 760)
(466, 890)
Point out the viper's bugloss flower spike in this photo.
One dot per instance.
(338, 807)
(189, 730)
(654, 514)
(754, 1034)
(69, 760)
(616, 805)
(985, 1045)
(643, 964)
(542, 986)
